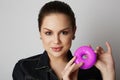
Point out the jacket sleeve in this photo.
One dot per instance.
(18, 73)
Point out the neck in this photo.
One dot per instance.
(60, 59)
(58, 65)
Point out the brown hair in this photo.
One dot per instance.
(56, 7)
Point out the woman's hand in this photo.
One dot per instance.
(105, 62)
(70, 72)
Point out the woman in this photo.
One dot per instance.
(57, 28)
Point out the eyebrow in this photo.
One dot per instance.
(60, 30)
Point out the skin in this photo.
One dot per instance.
(57, 35)
(56, 32)
(105, 62)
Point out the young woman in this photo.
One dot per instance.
(57, 28)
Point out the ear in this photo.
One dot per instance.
(74, 30)
(73, 37)
(40, 35)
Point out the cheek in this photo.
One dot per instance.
(45, 40)
(67, 40)
(46, 43)
(67, 43)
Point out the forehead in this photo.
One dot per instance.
(56, 20)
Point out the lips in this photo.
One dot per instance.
(56, 49)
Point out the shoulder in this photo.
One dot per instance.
(27, 61)
(24, 66)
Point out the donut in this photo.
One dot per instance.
(86, 55)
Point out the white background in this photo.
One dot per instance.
(98, 21)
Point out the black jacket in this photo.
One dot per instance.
(38, 68)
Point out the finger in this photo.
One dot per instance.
(98, 64)
(70, 62)
(78, 65)
(97, 51)
(68, 70)
(90, 46)
(101, 50)
(108, 47)
(73, 68)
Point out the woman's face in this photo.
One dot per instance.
(56, 33)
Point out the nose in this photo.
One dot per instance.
(56, 39)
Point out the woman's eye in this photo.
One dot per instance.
(64, 32)
(48, 33)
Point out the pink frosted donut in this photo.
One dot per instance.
(86, 55)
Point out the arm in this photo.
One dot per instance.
(105, 62)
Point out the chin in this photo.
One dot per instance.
(56, 54)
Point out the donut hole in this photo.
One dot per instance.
(84, 56)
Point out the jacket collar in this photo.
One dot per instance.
(44, 61)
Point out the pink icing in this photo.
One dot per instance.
(86, 55)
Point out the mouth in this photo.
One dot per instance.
(57, 49)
